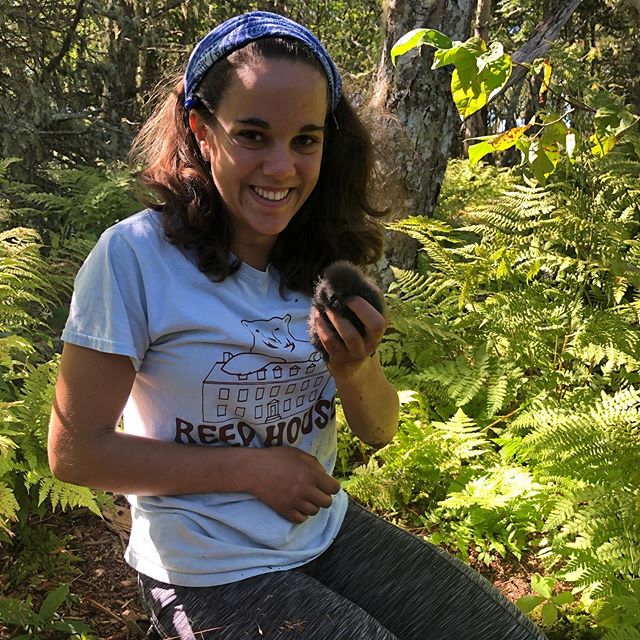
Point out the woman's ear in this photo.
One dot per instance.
(199, 128)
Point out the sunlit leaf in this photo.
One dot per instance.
(479, 73)
(499, 142)
(541, 161)
(546, 81)
(526, 604)
(543, 586)
(479, 151)
(549, 613)
(570, 143)
(418, 37)
(563, 598)
(610, 122)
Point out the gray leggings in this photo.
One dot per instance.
(375, 582)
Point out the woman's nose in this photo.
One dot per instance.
(279, 162)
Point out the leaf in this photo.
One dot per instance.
(499, 142)
(602, 145)
(464, 57)
(563, 598)
(70, 626)
(546, 80)
(570, 143)
(407, 396)
(479, 151)
(418, 37)
(543, 586)
(610, 122)
(53, 600)
(479, 73)
(542, 161)
(549, 613)
(19, 613)
(526, 604)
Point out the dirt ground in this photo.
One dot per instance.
(107, 586)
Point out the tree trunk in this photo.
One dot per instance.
(425, 125)
(635, 4)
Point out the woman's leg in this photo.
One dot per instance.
(273, 606)
(413, 588)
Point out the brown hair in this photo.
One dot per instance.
(336, 222)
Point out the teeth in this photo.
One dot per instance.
(271, 195)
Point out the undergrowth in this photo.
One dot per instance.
(517, 349)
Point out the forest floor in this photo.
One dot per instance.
(106, 586)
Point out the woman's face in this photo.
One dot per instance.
(265, 149)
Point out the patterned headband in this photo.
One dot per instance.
(241, 30)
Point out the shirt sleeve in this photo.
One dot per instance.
(108, 308)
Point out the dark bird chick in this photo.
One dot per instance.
(342, 280)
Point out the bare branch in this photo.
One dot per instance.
(538, 45)
(67, 40)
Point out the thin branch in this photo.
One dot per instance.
(167, 7)
(66, 45)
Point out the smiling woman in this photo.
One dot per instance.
(264, 147)
(190, 320)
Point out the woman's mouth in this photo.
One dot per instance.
(270, 194)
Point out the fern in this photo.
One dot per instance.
(34, 282)
(78, 202)
(522, 326)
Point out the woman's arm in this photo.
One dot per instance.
(370, 402)
(86, 449)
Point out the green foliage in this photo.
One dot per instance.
(40, 556)
(519, 340)
(421, 463)
(72, 204)
(35, 283)
(494, 514)
(620, 612)
(44, 623)
(77, 75)
(481, 72)
(550, 605)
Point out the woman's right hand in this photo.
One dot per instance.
(292, 482)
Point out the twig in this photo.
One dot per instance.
(106, 610)
(67, 41)
(500, 419)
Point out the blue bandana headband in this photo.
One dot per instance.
(241, 30)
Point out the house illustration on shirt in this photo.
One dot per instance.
(268, 382)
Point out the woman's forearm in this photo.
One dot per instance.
(123, 463)
(370, 403)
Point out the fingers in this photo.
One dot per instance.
(349, 342)
(293, 483)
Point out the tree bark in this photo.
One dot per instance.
(635, 4)
(425, 125)
(538, 45)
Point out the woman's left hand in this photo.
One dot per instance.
(346, 357)
(369, 401)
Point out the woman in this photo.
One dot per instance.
(190, 319)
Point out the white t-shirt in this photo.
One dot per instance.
(218, 364)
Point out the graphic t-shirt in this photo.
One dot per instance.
(218, 364)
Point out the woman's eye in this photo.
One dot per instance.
(250, 137)
(306, 141)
